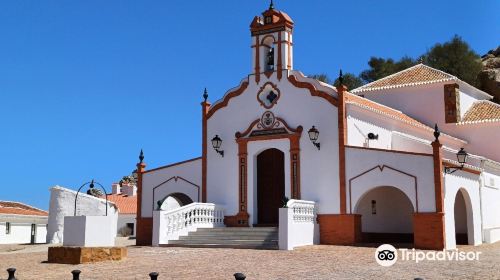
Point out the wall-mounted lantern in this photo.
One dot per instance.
(313, 136)
(372, 136)
(462, 159)
(216, 143)
(374, 207)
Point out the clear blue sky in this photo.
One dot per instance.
(84, 85)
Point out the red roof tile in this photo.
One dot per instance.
(126, 204)
(17, 208)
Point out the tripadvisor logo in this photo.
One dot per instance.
(387, 255)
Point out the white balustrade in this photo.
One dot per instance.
(170, 225)
(297, 224)
(302, 210)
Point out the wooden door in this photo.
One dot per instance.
(270, 186)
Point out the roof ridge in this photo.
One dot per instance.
(23, 204)
(386, 77)
(441, 76)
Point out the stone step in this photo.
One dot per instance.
(230, 237)
(239, 229)
(212, 246)
(249, 234)
(224, 242)
(207, 238)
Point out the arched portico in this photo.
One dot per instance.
(463, 218)
(386, 215)
(174, 200)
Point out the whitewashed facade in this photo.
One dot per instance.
(375, 173)
(22, 224)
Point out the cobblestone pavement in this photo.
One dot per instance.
(312, 262)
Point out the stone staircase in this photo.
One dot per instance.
(230, 237)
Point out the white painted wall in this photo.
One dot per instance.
(319, 169)
(89, 231)
(468, 184)
(123, 220)
(359, 161)
(465, 102)
(62, 203)
(190, 171)
(394, 211)
(20, 229)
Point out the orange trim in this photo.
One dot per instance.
(241, 219)
(388, 151)
(205, 107)
(312, 89)
(257, 60)
(465, 169)
(265, 37)
(274, 101)
(280, 62)
(224, 102)
(438, 175)
(144, 233)
(171, 165)
(342, 127)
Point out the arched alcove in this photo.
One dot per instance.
(173, 201)
(463, 218)
(386, 216)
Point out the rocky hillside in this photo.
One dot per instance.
(490, 75)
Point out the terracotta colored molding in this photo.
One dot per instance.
(465, 169)
(224, 102)
(312, 89)
(342, 127)
(388, 151)
(274, 101)
(257, 60)
(438, 175)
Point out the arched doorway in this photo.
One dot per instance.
(173, 201)
(386, 216)
(463, 219)
(270, 186)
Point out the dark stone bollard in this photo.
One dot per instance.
(154, 275)
(418, 278)
(239, 276)
(11, 272)
(76, 274)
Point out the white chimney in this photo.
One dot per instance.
(116, 188)
(129, 189)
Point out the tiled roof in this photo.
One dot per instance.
(419, 74)
(126, 204)
(17, 208)
(482, 111)
(381, 109)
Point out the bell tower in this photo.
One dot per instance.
(272, 47)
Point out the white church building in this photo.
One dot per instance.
(411, 158)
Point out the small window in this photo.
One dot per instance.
(7, 228)
(268, 20)
(131, 227)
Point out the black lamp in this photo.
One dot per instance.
(313, 136)
(462, 159)
(216, 143)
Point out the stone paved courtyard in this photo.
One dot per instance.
(313, 262)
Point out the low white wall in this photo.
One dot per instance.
(492, 235)
(62, 203)
(123, 220)
(297, 225)
(90, 231)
